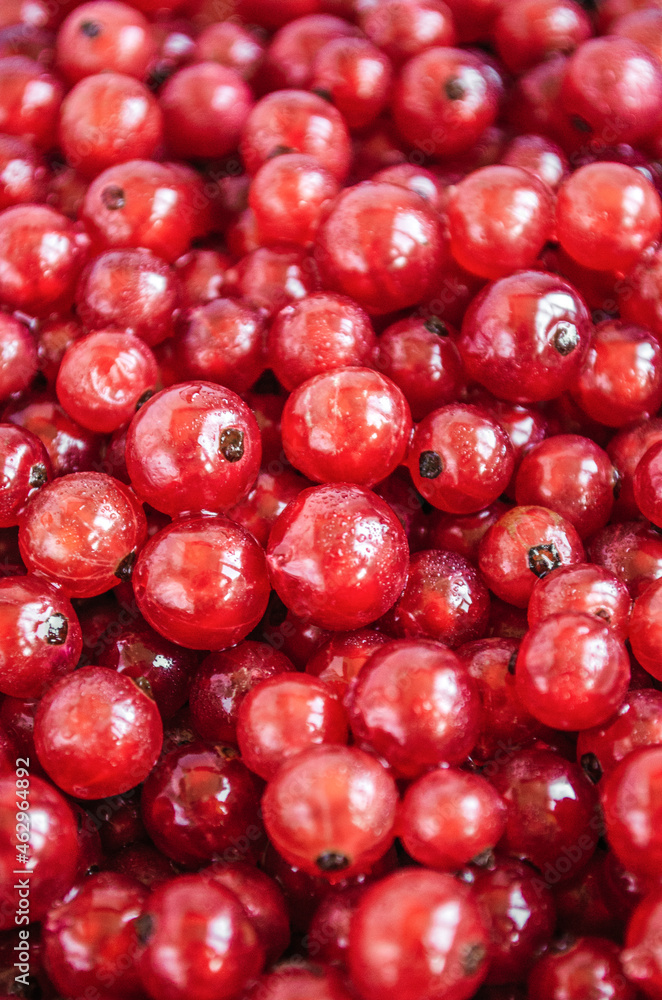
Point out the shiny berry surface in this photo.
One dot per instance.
(636, 724)
(25, 466)
(104, 34)
(589, 965)
(223, 341)
(584, 588)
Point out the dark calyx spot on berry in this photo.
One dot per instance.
(618, 483)
(485, 859)
(472, 959)
(565, 339)
(38, 476)
(147, 394)
(581, 124)
(280, 151)
(93, 869)
(591, 767)
(144, 685)
(124, 571)
(511, 662)
(113, 197)
(604, 614)
(332, 862)
(324, 94)
(91, 29)
(430, 465)
(226, 752)
(543, 559)
(231, 444)
(160, 73)
(57, 629)
(436, 325)
(144, 927)
(454, 89)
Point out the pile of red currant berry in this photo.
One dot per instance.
(331, 499)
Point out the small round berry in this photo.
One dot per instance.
(104, 35)
(82, 533)
(632, 551)
(25, 466)
(70, 447)
(338, 660)
(356, 76)
(645, 634)
(584, 588)
(270, 278)
(460, 459)
(263, 900)
(626, 449)
(291, 53)
(641, 959)
(290, 196)
(205, 108)
(646, 484)
(338, 556)
(30, 100)
(541, 156)
(193, 447)
(637, 724)
(223, 341)
(298, 979)
(97, 733)
(268, 499)
(231, 45)
(331, 811)
(589, 965)
(526, 32)
(22, 173)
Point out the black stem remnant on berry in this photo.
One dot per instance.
(332, 862)
(511, 662)
(91, 29)
(543, 559)
(113, 197)
(565, 339)
(144, 685)
(124, 571)
(57, 629)
(591, 767)
(280, 151)
(454, 89)
(231, 444)
(38, 476)
(430, 465)
(604, 614)
(436, 325)
(324, 94)
(144, 928)
(473, 958)
(147, 394)
(581, 124)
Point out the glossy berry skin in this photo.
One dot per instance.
(82, 532)
(491, 233)
(382, 246)
(270, 278)
(200, 803)
(637, 724)
(331, 811)
(572, 671)
(403, 28)
(41, 255)
(644, 633)
(329, 931)
(88, 936)
(267, 500)
(283, 715)
(41, 636)
(571, 475)
(18, 356)
(70, 447)
(356, 75)
(639, 297)
(524, 338)
(140, 204)
(589, 966)
(97, 733)
(223, 341)
(184, 948)
(231, 45)
(612, 83)
(506, 725)
(632, 551)
(194, 446)
(106, 119)
(132, 290)
(552, 818)
(414, 704)
(351, 425)
(263, 900)
(462, 533)
(292, 50)
(103, 376)
(186, 590)
(294, 121)
(338, 556)
(621, 378)
(646, 485)
(394, 951)
(606, 215)
(321, 332)
(444, 100)
(626, 449)
(299, 980)
(584, 588)
(641, 959)
(541, 156)
(449, 816)
(529, 31)
(449, 467)
(444, 599)
(30, 101)
(22, 173)
(104, 35)
(52, 841)
(25, 467)
(421, 357)
(338, 660)
(524, 545)
(290, 196)
(205, 107)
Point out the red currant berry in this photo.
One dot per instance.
(193, 446)
(415, 705)
(270, 278)
(22, 173)
(130, 290)
(460, 459)
(632, 551)
(525, 544)
(299, 980)
(202, 582)
(645, 634)
(399, 918)
(41, 636)
(202, 275)
(261, 898)
(338, 556)
(104, 35)
(290, 196)
(383, 246)
(331, 810)
(637, 724)
(524, 338)
(26, 467)
(103, 376)
(338, 661)
(291, 53)
(444, 599)
(30, 101)
(231, 45)
(223, 341)
(528, 31)
(53, 338)
(70, 447)
(205, 108)
(646, 484)
(585, 588)
(541, 156)
(356, 76)
(198, 940)
(267, 501)
(320, 332)
(97, 734)
(92, 937)
(329, 931)
(638, 296)
(590, 965)
(448, 817)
